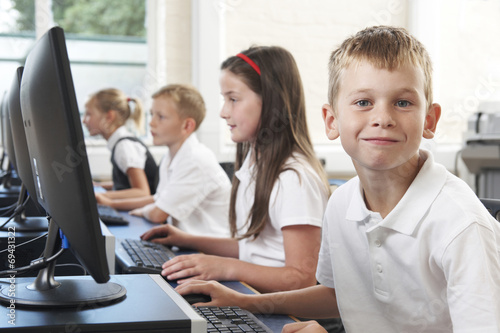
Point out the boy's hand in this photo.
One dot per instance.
(167, 235)
(137, 212)
(304, 327)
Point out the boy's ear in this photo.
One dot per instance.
(331, 126)
(431, 120)
(189, 125)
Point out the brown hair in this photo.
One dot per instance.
(109, 99)
(384, 47)
(282, 130)
(190, 103)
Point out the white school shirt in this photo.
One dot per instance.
(128, 153)
(194, 190)
(292, 202)
(432, 265)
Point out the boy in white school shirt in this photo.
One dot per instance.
(407, 246)
(193, 189)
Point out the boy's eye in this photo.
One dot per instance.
(363, 103)
(403, 104)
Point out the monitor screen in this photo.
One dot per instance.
(62, 178)
(7, 133)
(8, 148)
(19, 156)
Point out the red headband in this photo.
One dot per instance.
(249, 61)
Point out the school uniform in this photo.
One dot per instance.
(297, 198)
(127, 151)
(194, 190)
(431, 265)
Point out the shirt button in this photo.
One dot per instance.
(379, 268)
(378, 243)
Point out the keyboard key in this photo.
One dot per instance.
(231, 319)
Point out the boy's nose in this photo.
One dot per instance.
(382, 116)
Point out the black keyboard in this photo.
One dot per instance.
(231, 319)
(110, 216)
(138, 256)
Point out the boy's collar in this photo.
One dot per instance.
(410, 210)
(191, 140)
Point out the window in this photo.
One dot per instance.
(106, 41)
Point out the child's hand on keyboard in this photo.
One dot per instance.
(183, 268)
(304, 327)
(167, 235)
(220, 295)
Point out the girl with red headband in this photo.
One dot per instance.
(279, 191)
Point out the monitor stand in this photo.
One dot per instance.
(21, 222)
(46, 292)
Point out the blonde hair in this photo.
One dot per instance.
(190, 103)
(109, 99)
(384, 47)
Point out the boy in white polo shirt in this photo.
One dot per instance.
(407, 246)
(193, 189)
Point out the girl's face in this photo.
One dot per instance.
(242, 107)
(94, 120)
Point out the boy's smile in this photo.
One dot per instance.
(381, 115)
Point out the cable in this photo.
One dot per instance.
(35, 264)
(75, 265)
(27, 242)
(17, 211)
(8, 220)
(11, 206)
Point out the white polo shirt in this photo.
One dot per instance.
(294, 201)
(128, 154)
(194, 190)
(432, 265)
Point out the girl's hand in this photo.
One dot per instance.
(304, 327)
(167, 235)
(185, 268)
(102, 199)
(220, 295)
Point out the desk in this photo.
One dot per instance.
(139, 225)
(114, 313)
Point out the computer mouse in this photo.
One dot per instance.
(197, 298)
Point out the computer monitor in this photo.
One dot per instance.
(4, 97)
(19, 156)
(62, 180)
(7, 144)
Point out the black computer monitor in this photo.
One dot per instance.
(8, 147)
(2, 158)
(19, 156)
(62, 180)
(2, 103)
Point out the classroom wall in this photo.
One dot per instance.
(459, 35)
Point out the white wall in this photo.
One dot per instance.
(459, 34)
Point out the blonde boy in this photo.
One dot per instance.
(193, 189)
(407, 246)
